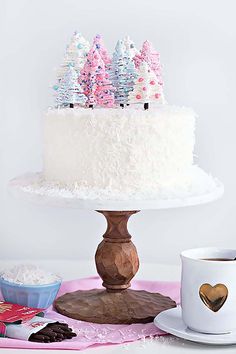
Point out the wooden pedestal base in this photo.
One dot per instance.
(99, 306)
(117, 262)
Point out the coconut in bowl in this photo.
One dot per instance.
(29, 285)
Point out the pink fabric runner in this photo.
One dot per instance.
(89, 334)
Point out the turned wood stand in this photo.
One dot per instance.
(117, 263)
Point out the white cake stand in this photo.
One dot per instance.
(32, 189)
(116, 256)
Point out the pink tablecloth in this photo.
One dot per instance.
(89, 334)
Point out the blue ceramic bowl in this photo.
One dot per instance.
(38, 296)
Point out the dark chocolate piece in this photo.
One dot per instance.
(53, 332)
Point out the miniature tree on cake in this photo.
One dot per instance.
(152, 57)
(95, 82)
(105, 91)
(75, 56)
(69, 91)
(131, 51)
(146, 89)
(98, 42)
(123, 74)
(87, 78)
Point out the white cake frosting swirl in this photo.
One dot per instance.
(119, 151)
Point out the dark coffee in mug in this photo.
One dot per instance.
(218, 259)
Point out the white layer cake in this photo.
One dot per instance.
(119, 151)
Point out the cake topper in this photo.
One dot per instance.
(69, 91)
(152, 57)
(123, 73)
(75, 55)
(95, 82)
(105, 91)
(146, 87)
(88, 76)
(98, 42)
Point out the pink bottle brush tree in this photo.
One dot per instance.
(98, 43)
(87, 78)
(152, 58)
(94, 81)
(105, 90)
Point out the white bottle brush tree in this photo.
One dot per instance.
(75, 56)
(146, 88)
(122, 73)
(149, 55)
(69, 91)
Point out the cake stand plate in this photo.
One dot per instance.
(116, 257)
(31, 188)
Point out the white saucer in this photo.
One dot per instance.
(170, 321)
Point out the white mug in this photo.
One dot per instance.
(208, 290)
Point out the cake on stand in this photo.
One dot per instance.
(116, 256)
(116, 147)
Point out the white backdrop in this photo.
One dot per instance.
(196, 40)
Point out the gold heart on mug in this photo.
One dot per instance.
(213, 297)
